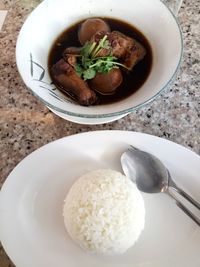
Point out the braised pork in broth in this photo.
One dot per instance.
(100, 61)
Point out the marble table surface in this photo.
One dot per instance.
(26, 124)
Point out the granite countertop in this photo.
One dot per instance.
(26, 124)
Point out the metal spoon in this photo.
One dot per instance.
(151, 176)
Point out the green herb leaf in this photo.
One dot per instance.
(89, 74)
(89, 64)
(79, 70)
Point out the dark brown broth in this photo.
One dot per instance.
(131, 81)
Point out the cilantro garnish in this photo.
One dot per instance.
(89, 63)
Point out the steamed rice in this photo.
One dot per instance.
(104, 212)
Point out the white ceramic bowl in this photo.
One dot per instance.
(51, 17)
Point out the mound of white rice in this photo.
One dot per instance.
(104, 212)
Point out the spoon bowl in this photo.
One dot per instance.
(151, 176)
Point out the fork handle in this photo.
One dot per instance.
(174, 186)
(185, 209)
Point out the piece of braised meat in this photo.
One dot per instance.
(128, 50)
(135, 54)
(67, 78)
(96, 38)
(70, 55)
(107, 83)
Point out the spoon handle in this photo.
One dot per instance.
(185, 209)
(173, 185)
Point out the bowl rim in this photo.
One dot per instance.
(124, 111)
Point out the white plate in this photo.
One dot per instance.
(31, 224)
